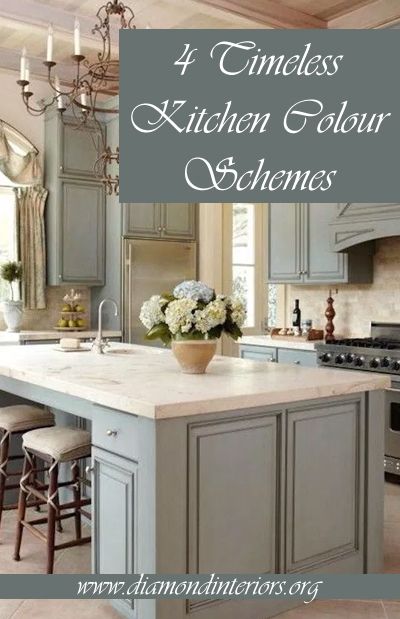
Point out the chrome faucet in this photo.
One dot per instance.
(100, 343)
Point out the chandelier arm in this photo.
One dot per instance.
(63, 93)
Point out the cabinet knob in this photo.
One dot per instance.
(111, 432)
(60, 276)
(61, 168)
(89, 470)
(159, 228)
(297, 362)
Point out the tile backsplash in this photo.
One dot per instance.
(356, 305)
(45, 320)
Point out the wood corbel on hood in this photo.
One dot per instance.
(360, 222)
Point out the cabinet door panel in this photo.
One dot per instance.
(114, 500)
(233, 479)
(320, 262)
(178, 221)
(325, 485)
(142, 220)
(284, 243)
(82, 232)
(79, 149)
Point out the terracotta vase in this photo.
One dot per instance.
(194, 355)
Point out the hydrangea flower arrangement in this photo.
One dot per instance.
(194, 312)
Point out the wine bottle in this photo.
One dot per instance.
(296, 316)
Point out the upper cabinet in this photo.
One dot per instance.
(172, 221)
(75, 211)
(78, 149)
(361, 222)
(299, 248)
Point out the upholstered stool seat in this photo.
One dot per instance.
(53, 445)
(23, 417)
(61, 444)
(15, 420)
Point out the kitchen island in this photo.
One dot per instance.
(251, 468)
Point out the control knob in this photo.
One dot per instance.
(385, 363)
(350, 357)
(359, 361)
(374, 363)
(325, 357)
(396, 366)
(340, 359)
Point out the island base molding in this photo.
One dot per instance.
(286, 489)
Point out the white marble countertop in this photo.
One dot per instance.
(148, 382)
(23, 336)
(290, 342)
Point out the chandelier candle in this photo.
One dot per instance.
(49, 56)
(77, 38)
(22, 65)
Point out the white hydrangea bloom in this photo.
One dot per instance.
(179, 316)
(151, 312)
(190, 289)
(211, 316)
(238, 309)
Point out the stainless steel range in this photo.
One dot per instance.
(378, 353)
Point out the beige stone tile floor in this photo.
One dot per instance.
(77, 560)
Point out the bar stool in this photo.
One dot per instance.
(53, 446)
(16, 420)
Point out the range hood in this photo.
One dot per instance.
(360, 222)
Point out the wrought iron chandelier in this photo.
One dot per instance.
(92, 82)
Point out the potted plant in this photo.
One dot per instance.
(12, 310)
(192, 318)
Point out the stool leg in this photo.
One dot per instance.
(21, 511)
(34, 478)
(51, 517)
(77, 499)
(5, 445)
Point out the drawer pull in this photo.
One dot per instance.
(89, 470)
(297, 362)
(111, 432)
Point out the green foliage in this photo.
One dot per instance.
(11, 271)
(159, 331)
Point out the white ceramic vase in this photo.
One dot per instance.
(12, 313)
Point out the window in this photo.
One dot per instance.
(244, 258)
(244, 263)
(8, 233)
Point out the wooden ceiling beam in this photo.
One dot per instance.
(269, 13)
(374, 15)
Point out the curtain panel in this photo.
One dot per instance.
(32, 244)
(22, 169)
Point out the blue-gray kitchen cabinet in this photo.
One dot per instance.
(172, 221)
(75, 209)
(76, 232)
(300, 249)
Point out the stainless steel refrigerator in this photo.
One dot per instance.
(152, 267)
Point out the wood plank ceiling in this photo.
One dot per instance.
(25, 22)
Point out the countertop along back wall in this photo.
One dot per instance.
(357, 305)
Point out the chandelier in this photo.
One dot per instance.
(91, 84)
